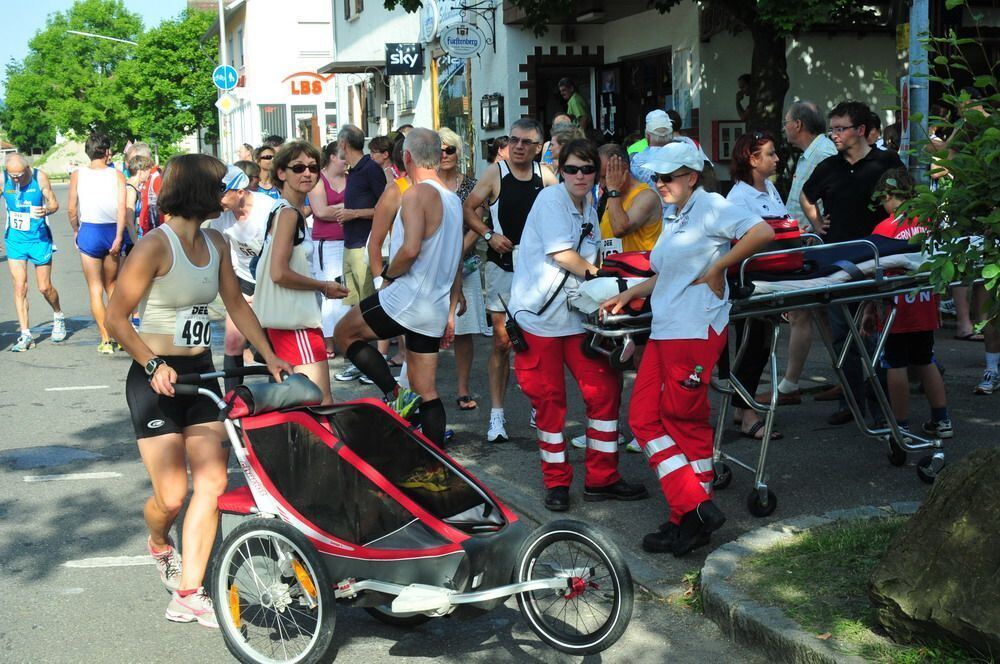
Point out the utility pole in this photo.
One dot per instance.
(223, 60)
(919, 82)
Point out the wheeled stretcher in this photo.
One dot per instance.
(766, 299)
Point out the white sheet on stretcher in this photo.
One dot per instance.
(897, 262)
(589, 296)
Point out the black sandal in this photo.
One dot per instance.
(757, 426)
(464, 401)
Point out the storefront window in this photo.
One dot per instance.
(455, 104)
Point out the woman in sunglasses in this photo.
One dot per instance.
(669, 412)
(264, 156)
(285, 298)
(559, 247)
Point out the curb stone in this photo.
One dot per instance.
(765, 628)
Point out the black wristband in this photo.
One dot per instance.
(385, 274)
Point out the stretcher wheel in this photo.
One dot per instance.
(593, 610)
(616, 361)
(896, 454)
(757, 508)
(385, 615)
(925, 470)
(272, 594)
(723, 475)
(587, 349)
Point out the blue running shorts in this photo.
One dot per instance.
(95, 240)
(37, 251)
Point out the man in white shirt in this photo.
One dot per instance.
(805, 128)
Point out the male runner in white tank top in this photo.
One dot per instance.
(421, 288)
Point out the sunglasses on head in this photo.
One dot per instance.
(299, 169)
(449, 149)
(667, 178)
(267, 156)
(586, 169)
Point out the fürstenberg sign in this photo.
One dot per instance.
(462, 40)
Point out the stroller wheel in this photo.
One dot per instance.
(593, 611)
(384, 615)
(272, 595)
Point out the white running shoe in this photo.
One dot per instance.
(197, 606)
(497, 432)
(58, 330)
(633, 446)
(349, 373)
(990, 384)
(23, 343)
(168, 564)
(580, 442)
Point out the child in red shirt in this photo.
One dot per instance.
(911, 340)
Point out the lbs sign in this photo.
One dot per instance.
(404, 59)
(463, 40)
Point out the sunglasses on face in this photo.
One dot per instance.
(299, 169)
(448, 149)
(268, 157)
(667, 178)
(586, 169)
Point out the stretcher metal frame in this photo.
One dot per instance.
(769, 306)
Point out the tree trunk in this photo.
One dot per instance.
(769, 69)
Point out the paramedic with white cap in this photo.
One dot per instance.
(669, 411)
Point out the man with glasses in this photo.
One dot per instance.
(509, 187)
(845, 183)
(29, 199)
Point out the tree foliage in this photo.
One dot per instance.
(67, 82)
(167, 87)
(158, 91)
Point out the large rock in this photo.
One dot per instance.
(941, 574)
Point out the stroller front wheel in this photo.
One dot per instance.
(593, 611)
(272, 595)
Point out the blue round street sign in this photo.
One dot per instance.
(225, 77)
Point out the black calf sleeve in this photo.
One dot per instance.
(232, 362)
(372, 364)
(433, 420)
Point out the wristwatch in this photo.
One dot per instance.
(385, 274)
(614, 193)
(487, 235)
(153, 365)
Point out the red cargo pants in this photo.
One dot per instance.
(670, 420)
(541, 373)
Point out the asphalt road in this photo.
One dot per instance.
(64, 414)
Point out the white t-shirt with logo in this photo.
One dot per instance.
(690, 243)
(553, 225)
(246, 238)
(762, 203)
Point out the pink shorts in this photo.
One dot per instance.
(298, 347)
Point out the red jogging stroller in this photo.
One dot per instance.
(350, 504)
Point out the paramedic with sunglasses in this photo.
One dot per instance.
(173, 274)
(669, 411)
(559, 248)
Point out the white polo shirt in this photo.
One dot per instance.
(690, 243)
(553, 225)
(762, 203)
(821, 148)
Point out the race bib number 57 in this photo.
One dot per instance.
(193, 328)
(20, 221)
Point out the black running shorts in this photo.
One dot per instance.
(385, 327)
(156, 415)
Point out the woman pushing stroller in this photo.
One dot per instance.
(669, 411)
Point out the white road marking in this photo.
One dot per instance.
(73, 388)
(111, 561)
(71, 477)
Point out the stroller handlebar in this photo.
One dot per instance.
(192, 378)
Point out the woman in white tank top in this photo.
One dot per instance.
(173, 274)
(97, 214)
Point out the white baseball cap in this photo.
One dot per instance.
(234, 179)
(658, 122)
(674, 156)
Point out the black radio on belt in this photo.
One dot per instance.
(514, 331)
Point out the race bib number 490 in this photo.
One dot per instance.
(193, 328)
(20, 221)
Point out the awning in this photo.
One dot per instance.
(352, 67)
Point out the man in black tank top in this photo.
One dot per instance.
(509, 189)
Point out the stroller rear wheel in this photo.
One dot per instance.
(272, 595)
(593, 611)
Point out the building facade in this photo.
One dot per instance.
(277, 49)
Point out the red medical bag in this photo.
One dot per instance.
(627, 265)
(786, 236)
